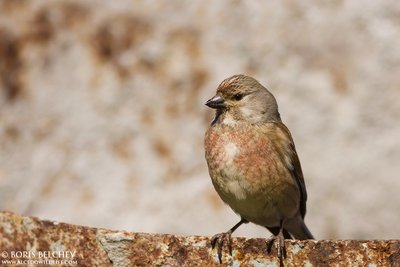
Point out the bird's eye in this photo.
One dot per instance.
(238, 97)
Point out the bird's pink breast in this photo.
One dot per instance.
(253, 157)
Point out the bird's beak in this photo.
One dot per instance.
(216, 102)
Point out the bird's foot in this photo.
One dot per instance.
(219, 240)
(279, 241)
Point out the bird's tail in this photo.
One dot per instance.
(299, 229)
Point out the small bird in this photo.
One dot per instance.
(253, 163)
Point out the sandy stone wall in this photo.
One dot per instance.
(102, 110)
(29, 241)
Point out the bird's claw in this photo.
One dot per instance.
(219, 240)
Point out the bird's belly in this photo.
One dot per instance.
(266, 207)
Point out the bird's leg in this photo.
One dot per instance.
(225, 238)
(279, 238)
(280, 245)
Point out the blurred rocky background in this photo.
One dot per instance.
(102, 110)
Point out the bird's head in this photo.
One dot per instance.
(241, 98)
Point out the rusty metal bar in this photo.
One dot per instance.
(32, 240)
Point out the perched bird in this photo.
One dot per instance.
(253, 163)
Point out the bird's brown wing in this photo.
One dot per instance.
(294, 166)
